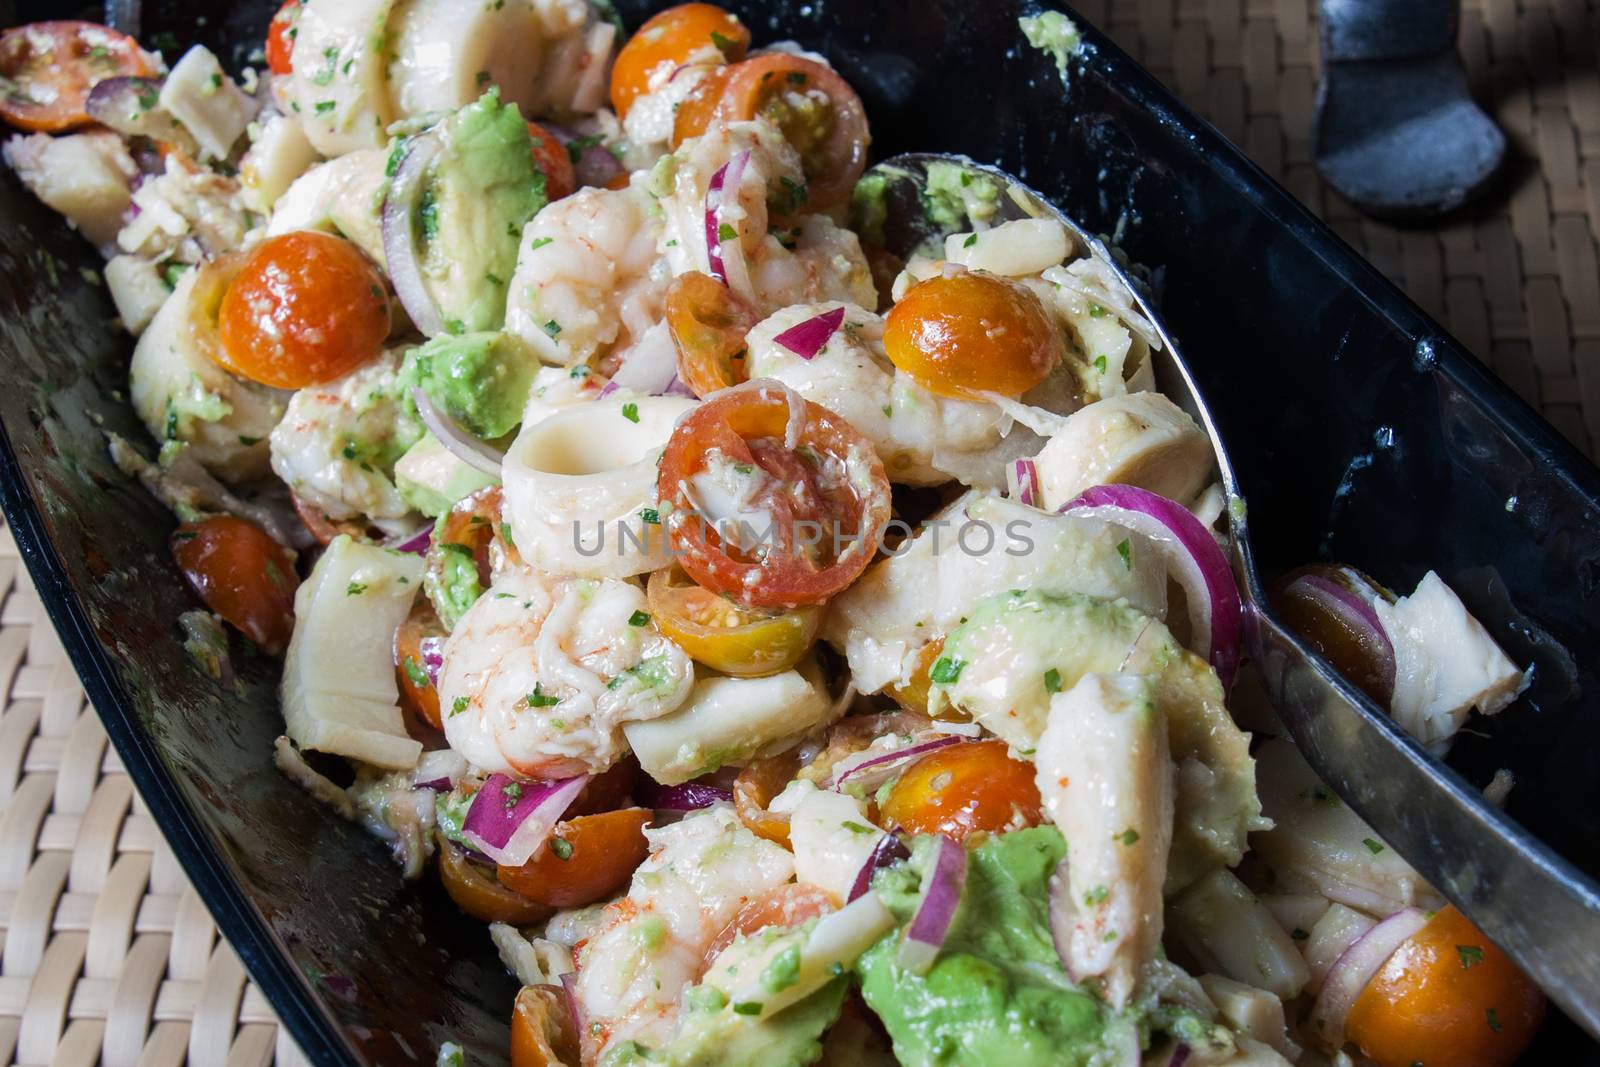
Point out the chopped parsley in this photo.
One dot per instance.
(630, 411)
(638, 618)
(1100, 364)
(538, 243)
(1096, 311)
(855, 827)
(552, 329)
(355, 589)
(1373, 847)
(458, 706)
(650, 516)
(1130, 836)
(540, 699)
(1125, 550)
(726, 232)
(561, 847)
(415, 672)
(1052, 681)
(1097, 895)
(971, 240)
(748, 1007)
(946, 670)
(323, 107)
(1471, 955)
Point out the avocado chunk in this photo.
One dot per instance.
(481, 191)
(481, 380)
(953, 195)
(1052, 33)
(997, 995)
(431, 479)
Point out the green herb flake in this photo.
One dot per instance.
(561, 847)
(458, 706)
(539, 242)
(748, 1007)
(1494, 1020)
(639, 618)
(1373, 847)
(1129, 837)
(1096, 896)
(1125, 550)
(1100, 364)
(630, 411)
(552, 329)
(1052, 681)
(1096, 311)
(971, 240)
(540, 699)
(946, 670)
(355, 589)
(857, 828)
(650, 516)
(1471, 956)
(415, 672)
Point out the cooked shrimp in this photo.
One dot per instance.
(540, 674)
(337, 445)
(650, 945)
(588, 278)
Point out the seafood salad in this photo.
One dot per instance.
(794, 652)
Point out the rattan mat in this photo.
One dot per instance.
(110, 956)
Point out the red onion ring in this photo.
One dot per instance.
(726, 259)
(1356, 613)
(889, 850)
(690, 796)
(936, 912)
(399, 228)
(508, 820)
(1023, 482)
(1355, 967)
(870, 774)
(457, 441)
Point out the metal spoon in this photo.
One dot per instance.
(1531, 902)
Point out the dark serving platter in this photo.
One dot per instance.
(1359, 430)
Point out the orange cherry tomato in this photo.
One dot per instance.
(588, 859)
(754, 789)
(1446, 998)
(420, 636)
(913, 696)
(305, 308)
(971, 333)
(674, 36)
(280, 38)
(818, 112)
(1353, 650)
(782, 906)
(609, 790)
(825, 501)
(725, 637)
(551, 157)
(708, 322)
(242, 574)
(49, 67)
(474, 889)
(542, 1034)
(964, 790)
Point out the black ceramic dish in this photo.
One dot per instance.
(1360, 433)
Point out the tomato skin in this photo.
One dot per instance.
(1432, 1001)
(672, 37)
(754, 789)
(242, 574)
(53, 65)
(305, 309)
(966, 334)
(831, 137)
(823, 536)
(602, 852)
(280, 38)
(551, 157)
(708, 323)
(1351, 652)
(474, 889)
(727, 638)
(421, 635)
(542, 1033)
(964, 790)
(782, 906)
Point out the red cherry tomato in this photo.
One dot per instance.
(754, 789)
(421, 636)
(708, 323)
(49, 67)
(814, 513)
(242, 574)
(304, 309)
(964, 790)
(783, 906)
(551, 157)
(1355, 652)
(280, 38)
(588, 859)
(818, 112)
(965, 334)
(668, 39)
(473, 887)
(542, 1034)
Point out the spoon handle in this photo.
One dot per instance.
(1537, 907)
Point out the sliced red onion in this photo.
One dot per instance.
(1180, 1056)
(807, 339)
(890, 850)
(690, 796)
(1355, 968)
(457, 441)
(677, 388)
(596, 166)
(941, 896)
(509, 820)
(726, 258)
(1193, 559)
(1022, 480)
(1356, 613)
(569, 994)
(433, 656)
(415, 542)
(399, 219)
(439, 770)
(871, 773)
(128, 105)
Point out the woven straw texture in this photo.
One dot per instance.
(109, 955)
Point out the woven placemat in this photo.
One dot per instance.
(109, 956)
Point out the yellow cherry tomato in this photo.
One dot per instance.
(743, 642)
(1446, 998)
(965, 334)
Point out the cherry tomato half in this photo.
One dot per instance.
(49, 67)
(754, 789)
(304, 309)
(813, 515)
(726, 637)
(818, 112)
(708, 322)
(242, 574)
(542, 1033)
(1353, 649)
(970, 333)
(1447, 997)
(963, 790)
(782, 906)
(672, 37)
(551, 157)
(418, 639)
(913, 696)
(588, 859)
(473, 887)
(280, 38)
